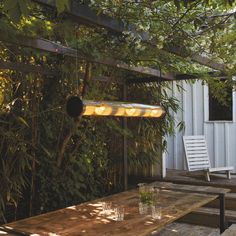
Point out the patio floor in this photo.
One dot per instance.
(182, 229)
(198, 178)
(209, 214)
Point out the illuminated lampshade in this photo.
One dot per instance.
(156, 113)
(130, 111)
(89, 110)
(75, 107)
(100, 110)
(119, 111)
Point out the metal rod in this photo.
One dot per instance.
(125, 151)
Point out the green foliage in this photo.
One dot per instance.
(15, 159)
(16, 9)
(146, 197)
(62, 5)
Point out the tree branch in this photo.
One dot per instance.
(77, 120)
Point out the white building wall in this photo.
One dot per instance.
(220, 135)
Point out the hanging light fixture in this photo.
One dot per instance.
(76, 107)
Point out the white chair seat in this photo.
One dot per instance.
(218, 169)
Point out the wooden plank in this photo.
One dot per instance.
(87, 219)
(27, 68)
(191, 188)
(199, 167)
(202, 151)
(183, 229)
(146, 80)
(198, 160)
(196, 148)
(195, 145)
(82, 12)
(214, 74)
(194, 141)
(196, 156)
(195, 137)
(194, 153)
(193, 162)
(203, 60)
(197, 178)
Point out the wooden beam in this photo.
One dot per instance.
(195, 57)
(57, 48)
(212, 74)
(26, 68)
(83, 13)
(143, 80)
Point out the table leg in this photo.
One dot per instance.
(222, 212)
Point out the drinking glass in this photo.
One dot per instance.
(156, 212)
(155, 196)
(119, 213)
(143, 208)
(106, 207)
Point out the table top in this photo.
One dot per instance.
(88, 219)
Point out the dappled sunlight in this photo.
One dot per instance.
(149, 222)
(3, 233)
(101, 216)
(49, 234)
(170, 216)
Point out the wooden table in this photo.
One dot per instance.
(87, 218)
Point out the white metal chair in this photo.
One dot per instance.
(197, 157)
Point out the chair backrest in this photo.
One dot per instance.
(196, 153)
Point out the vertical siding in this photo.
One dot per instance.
(220, 136)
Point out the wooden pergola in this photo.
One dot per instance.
(84, 15)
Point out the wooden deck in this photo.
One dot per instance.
(198, 178)
(174, 229)
(182, 229)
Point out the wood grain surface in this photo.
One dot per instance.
(190, 188)
(88, 219)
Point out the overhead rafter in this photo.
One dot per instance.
(196, 58)
(142, 80)
(197, 76)
(83, 13)
(192, 76)
(50, 46)
(26, 68)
